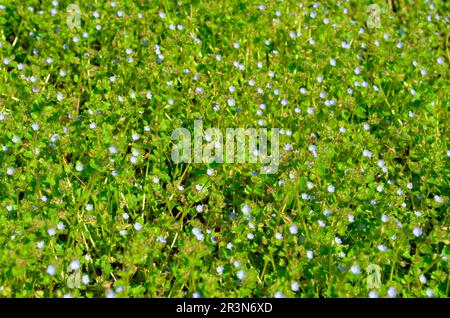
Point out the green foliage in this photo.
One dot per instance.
(88, 187)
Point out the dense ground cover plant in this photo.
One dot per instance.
(91, 204)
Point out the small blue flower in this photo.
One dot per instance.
(417, 231)
(373, 294)
(51, 270)
(355, 269)
(392, 292)
(279, 294)
(241, 274)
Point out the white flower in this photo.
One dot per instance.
(430, 292)
(279, 294)
(89, 207)
(345, 45)
(293, 229)
(331, 188)
(219, 270)
(355, 269)
(373, 294)
(198, 234)
(85, 279)
(367, 153)
(246, 209)
(110, 294)
(35, 126)
(241, 274)
(74, 265)
(294, 286)
(392, 292)
(112, 149)
(51, 270)
(422, 279)
(161, 239)
(417, 231)
(40, 244)
(137, 226)
(310, 254)
(51, 231)
(10, 171)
